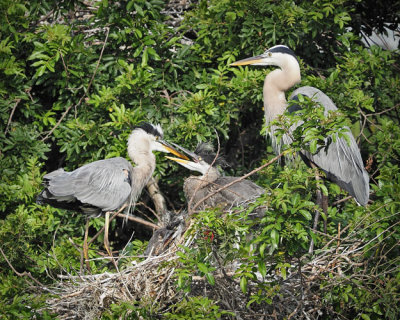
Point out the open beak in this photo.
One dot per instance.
(193, 162)
(169, 148)
(247, 61)
(179, 160)
(188, 156)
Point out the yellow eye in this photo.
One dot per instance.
(200, 158)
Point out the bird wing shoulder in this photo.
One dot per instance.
(316, 95)
(105, 183)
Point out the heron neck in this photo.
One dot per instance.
(276, 83)
(142, 172)
(196, 183)
(210, 176)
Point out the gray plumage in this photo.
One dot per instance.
(198, 187)
(240, 193)
(103, 185)
(107, 185)
(341, 162)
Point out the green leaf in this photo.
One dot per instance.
(275, 237)
(202, 86)
(313, 146)
(230, 16)
(262, 268)
(306, 214)
(139, 10)
(38, 55)
(210, 278)
(129, 5)
(145, 58)
(243, 284)
(262, 249)
(202, 267)
(323, 188)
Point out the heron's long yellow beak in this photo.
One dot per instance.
(179, 160)
(247, 61)
(177, 153)
(169, 148)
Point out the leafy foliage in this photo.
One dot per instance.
(76, 76)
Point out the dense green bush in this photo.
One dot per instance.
(76, 76)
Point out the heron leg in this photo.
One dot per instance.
(324, 207)
(86, 246)
(322, 202)
(106, 242)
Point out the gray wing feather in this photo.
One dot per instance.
(104, 183)
(236, 194)
(241, 191)
(341, 161)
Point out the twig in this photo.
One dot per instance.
(65, 66)
(341, 200)
(157, 197)
(148, 208)
(12, 114)
(84, 94)
(23, 274)
(139, 220)
(240, 179)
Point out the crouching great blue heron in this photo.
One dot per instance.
(198, 188)
(341, 162)
(110, 184)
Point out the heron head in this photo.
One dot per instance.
(201, 160)
(148, 136)
(275, 56)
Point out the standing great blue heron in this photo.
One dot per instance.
(197, 188)
(341, 162)
(110, 184)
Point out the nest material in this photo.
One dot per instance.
(87, 297)
(152, 281)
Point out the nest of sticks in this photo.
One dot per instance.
(87, 297)
(297, 296)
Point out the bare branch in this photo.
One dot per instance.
(157, 197)
(139, 220)
(23, 274)
(12, 114)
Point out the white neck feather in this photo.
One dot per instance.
(276, 83)
(141, 154)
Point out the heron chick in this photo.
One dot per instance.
(341, 161)
(197, 188)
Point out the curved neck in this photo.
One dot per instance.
(276, 83)
(145, 161)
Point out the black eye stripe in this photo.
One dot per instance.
(282, 49)
(150, 129)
